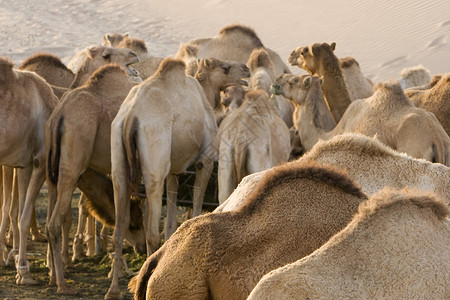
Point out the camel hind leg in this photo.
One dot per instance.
(172, 192)
(7, 182)
(83, 213)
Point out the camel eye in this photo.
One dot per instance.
(226, 69)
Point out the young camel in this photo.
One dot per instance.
(149, 134)
(251, 138)
(388, 114)
(319, 59)
(436, 99)
(83, 115)
(368, 162)
(235, 43)
(288, 215)
(26, 103)
(396, 247)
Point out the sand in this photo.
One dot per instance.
(384, 36)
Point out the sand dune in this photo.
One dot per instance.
(384, 36)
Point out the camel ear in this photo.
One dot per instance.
(307, 82)
(106, 54)
(333, 46)
(208, 63)
(92, 51)
(107, 38)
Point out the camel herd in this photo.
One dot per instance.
(328, 185)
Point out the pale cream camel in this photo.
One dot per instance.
(235, 43)
(396, 247)
(417, 76)
(370, 163)
(319, 59)
(436, 99)
(251, 139)
(91, 58)
(289, 214)
(387, 114)
(84, 115)
(357, 84)
(262, 76)
(26, 103)
(149, 134)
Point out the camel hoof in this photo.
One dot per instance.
(66, 291)
(113, 295)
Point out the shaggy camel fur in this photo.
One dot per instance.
(262, 76)
(389, 115)
(319, 59)
(357, 84)
(26, 103)
(235, 43)
(251, 138)
(414, 77)
(149, 134)
(223, 255)
(83, 115)
(435, 99)
(396, 247)
(90, 59)
(367, 161)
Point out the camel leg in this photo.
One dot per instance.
(225, 172)
(52, 195)
(172, 191)
(7, 182)
(78, 249)
(36, 235)
(202, 175)
(14, 217)
(32, 190)
(90, 236)
(67, 223)
(101, 240)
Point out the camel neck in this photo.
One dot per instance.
(335, 92)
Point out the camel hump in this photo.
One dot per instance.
(388, 197)
(6, 69)
(347, 62)
(304, 169)
(105, 72)
(188, 50)
(393, 88)
(169, 65)
(245, 30)
(44, 59)
(259, 58)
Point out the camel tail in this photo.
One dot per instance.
(138, 284)
(54, 153)
(129, 134)
(240, 157)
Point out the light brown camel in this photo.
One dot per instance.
(287, 216)
(84, 115)
(235, 42)
(396, 247)
(388, 114)
(262, 76)
(435, 99)
(26, 103)
(251, 139)
(319, 59)
(118, 40)
(357, 84)
(91, 58)
(369, 163)
(149, 134)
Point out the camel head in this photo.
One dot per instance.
(113, 39)
(102, 55)
(310, 57)
(222, 74)
(232, 97)
(295, 87)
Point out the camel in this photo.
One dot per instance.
(388, 114)
(395, 247)
(414, 77)
(357, 84)
(83, 115)
(319, 59)
(436, 99)
(235, 42)
(91, 58)
(223, 255)
(147, 135)
(232, 97)
(262, 76)
(368, 162)
(251, 138)
(118, 40)
(26, 103)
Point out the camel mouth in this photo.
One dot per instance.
(132, 72)
(243, 82)
(275, 90)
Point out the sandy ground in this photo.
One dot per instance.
(384, 36)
